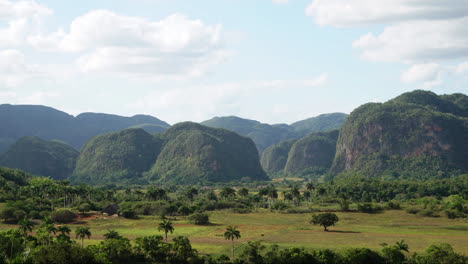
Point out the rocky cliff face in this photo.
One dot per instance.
(416, 135)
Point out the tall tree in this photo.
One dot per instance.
(82, 232)
(231, 234)
(167, 227)
(25, 226)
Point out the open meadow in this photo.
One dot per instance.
(293, 230)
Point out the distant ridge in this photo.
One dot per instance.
(49, 124)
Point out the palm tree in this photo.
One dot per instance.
(64, 230)
(25, 226)
(402, 246)
(167, 227)
(82, 232)
(231, 234)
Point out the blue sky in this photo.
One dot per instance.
(273, 61)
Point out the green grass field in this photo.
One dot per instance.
(287, 230)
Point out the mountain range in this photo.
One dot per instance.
(417, 135)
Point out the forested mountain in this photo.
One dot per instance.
(265, 135)
(49, 124)
(41, 157)
(186, 153)
(194, 153)
(416, 135)
(118, 157)
(311, 155)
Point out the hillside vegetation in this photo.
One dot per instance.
(194, 153)
(416, 135)
(186, 153)
(40, 157)
(265, 135)
(120, 157)
(309, 156)
(49, 124)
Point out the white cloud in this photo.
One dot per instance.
(173, 47)
(359, 12)
(13, 68)
(415, 32)
(280, 1)
(22, 9)
(430, 74)
(22, 18)
(416, 41)
(462, 67)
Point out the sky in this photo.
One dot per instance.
(276, 61)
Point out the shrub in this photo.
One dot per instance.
(19, 214)
(427, 212)
(452, 214)
(368, 208)
(34, 215)
(413, 210)
(279, 205)
(63, 216)
(199, 219)
(128, 213)
(395, 205)
(84, 207)
(7, 213)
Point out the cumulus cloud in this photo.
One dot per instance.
(21, 18)
(415, 32)
(22, 9)
(172, 47)
(415, 41)
(429, 74)
(359, 12)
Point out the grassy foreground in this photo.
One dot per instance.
(286, 230)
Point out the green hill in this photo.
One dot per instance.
(119, 157)
(321, 123)
(312, 155)
(274, 158)
(195, 153)
(265, 135)
(416, 135)
(41, 157)
(48, 123)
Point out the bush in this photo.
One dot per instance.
(128, 213)
(34, 215)
(427, 212)
(63, 216)
(368, 208)
(413, 210)
(7, 213)
(199, 219)
(84, 207)
(19, 214)
(452, 214)
(395, 205)
(279, 205)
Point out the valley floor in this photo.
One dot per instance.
(287, 230)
